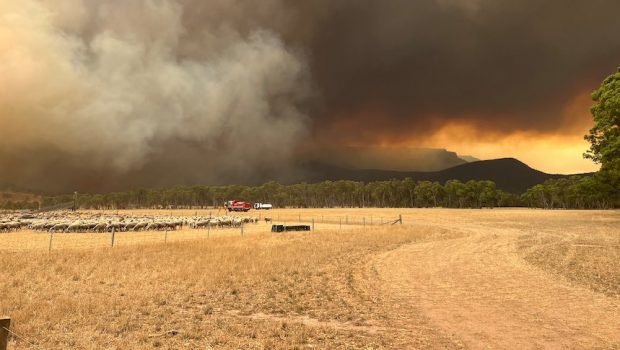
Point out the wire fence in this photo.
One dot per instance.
(28, 240)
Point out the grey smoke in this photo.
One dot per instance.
(107, 84)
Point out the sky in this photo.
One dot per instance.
(105, 94)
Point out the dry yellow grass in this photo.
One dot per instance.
(27, 240)
(129, 297)
(373, 287)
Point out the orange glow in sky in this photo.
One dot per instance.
(560, 152)
(551, 154)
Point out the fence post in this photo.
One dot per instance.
(346, 219)
(49, 249)
(300, 218)
(5, 325)
(113, 232)
(313, 223)
(340, 222)
(166, 236)
(242, 229)
(209, 229)
(400, 218)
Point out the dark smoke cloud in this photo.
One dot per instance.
(504, 65)
(112, 94)
(115, 88)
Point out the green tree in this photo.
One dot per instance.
(604, 137)
(453, 189)
(488, 193)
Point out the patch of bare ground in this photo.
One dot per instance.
(480, 291)
(589, 258)
(313, 322)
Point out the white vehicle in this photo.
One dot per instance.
(265, 206)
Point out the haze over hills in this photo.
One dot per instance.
(509, 174)
(469, 159)
(389, 158)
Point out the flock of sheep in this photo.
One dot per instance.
(80, 222)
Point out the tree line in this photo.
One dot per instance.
(573, 192)
(18, 205)
(328, 194)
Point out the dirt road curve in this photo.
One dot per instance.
(479, 293)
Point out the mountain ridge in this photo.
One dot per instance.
(509, 174)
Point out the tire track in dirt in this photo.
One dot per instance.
(481, 294)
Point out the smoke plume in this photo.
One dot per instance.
(105, 94)
(110, 86)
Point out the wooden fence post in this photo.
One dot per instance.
(113, 232)
(313, 223)
(166, 236)
(209, 229)
(242, 229)
(5, 324)
(400, 218)
(49, 249)
(340, 222)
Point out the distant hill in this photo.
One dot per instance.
(509, 174)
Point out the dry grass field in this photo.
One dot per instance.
(509, 278)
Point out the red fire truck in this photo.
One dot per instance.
(236, 205)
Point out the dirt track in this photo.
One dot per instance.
(479, 293)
